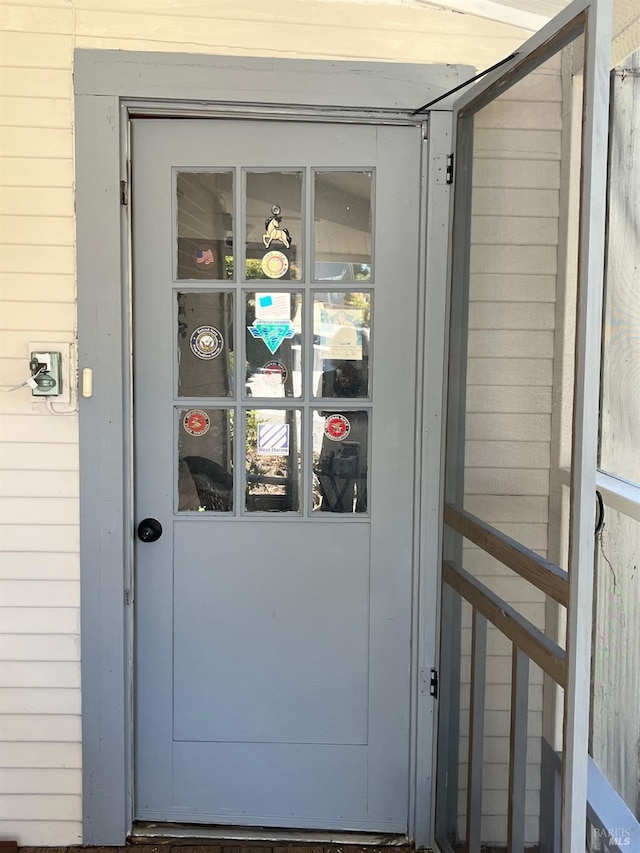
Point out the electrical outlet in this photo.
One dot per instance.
(47, 374)
(64, 350)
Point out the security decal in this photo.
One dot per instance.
(196, 422)
(337, 427)
(206, 342)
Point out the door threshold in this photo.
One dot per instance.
(156, 832)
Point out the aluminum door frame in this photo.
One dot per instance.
(110, 88)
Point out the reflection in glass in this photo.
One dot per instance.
(342, 226)
(273, 344)
(340, 464)
(615, 735)
(205, 460)
(273, 440)
(205, 344)
(341, 342)
(274, 225)
(205, 225)
(620, 407)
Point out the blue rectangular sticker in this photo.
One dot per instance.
(273, 439)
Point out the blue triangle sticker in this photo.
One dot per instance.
(272, 334)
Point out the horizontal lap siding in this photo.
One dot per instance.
(513, 267)
(40, 752)
(295, 29)
(40, 756)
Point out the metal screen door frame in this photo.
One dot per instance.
(593, 19)
(111, 87)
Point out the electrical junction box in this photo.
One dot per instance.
(65, 349)
(46, 370)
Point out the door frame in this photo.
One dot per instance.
(112, 87)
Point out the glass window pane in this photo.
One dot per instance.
(342, 226)
(341, 344)
(205, 460)
(615, 720)
(274, 225)
(620, 410)
(273, 344)
(340, 463)
(205, 225)
(205, 344)
(273, 441)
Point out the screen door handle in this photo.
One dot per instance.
(149, 530)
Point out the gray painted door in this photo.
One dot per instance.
(275, 340)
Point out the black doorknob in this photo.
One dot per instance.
(149, 530)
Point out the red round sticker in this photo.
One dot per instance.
(275, 372)
(196, 422)
(336, 427)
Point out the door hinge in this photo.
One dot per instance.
(429, 682)
(127, 597)
(433, 683)
(450, 169)
(124, 193)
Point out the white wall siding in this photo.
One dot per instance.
(40, 754)
(296, 29)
